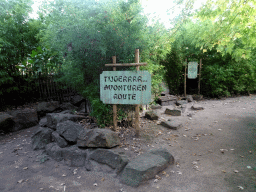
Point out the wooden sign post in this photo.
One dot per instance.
(137, 107)
(126, 87)
(114, 106)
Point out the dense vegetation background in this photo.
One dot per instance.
(74, 39)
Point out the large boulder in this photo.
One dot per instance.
(146, 166)
(24, 118)
(54, 151)
(46, 107)
(6, 122)
(41, 138)
(69, 130)
(74, 156)
(59, 140)
(152, 115)
(163, 153)
(54, 118)
(167, 100)
(104, 138)
(112, 159)
(171, 124)
(173, 112)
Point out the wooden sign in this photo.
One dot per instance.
(125, 87)
(192, 70)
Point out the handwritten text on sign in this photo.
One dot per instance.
(125, 87)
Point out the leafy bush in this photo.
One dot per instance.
(88, 35)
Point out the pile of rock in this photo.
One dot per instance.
(176, 106)
(64, 139)
(18, 119)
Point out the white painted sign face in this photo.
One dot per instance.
(125, 87)
(192, 70)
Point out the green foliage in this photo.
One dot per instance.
(42, 61)
(17, 39)
(88, 34)
(232, 28)
(223, 74)
(226, 77)
(101, 111)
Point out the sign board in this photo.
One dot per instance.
(192, 70)
(125, 87)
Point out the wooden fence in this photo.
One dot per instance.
(49, 90)
(40, 89)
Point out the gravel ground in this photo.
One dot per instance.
(215, 150)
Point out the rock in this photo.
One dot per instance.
(24, 118)
(181, 102)
(77, 100)
(151, 115)
(43, 122)
(46, 107)
(197, 107)
(98, 138)
(197, 97)
(59, 140)
(6, 122)
(41, 138)
(68, 106)
(157, 106)
(54, 118)
(69, 130)
(54, 151)
(167, 100)
(173, 112)
(145, 167)
(74, 156)
(110, 158)
(171, 124)
(189, 98)
(164, 153)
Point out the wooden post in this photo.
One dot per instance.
(114, 106)
(185, 78)
(200, 65)
(137, 107)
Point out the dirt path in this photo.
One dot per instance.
(200, 165)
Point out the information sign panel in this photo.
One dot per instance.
(192, 70)
(125, 87)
